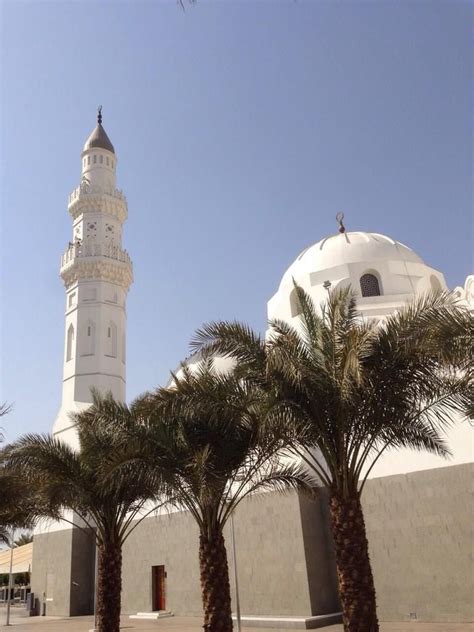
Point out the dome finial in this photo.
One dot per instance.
(99, 115)
(339, 218)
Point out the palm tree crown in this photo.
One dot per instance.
(73, 480)
(355, 389)
(216, 436)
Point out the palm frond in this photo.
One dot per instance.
(231, 339)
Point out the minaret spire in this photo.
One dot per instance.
(98, 137)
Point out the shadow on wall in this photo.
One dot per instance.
(319, 553)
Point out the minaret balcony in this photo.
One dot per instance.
(79, 250)
(91, 190)
(86, 198)
(96, 261)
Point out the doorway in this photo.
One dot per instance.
(158, 587)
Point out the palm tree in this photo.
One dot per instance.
(73, 480)
(212, 434)
(24, 538)
(18, 504)
(357, 389)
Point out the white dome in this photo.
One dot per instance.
(383, 274)
(348, 248)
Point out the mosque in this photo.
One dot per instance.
(417, 506)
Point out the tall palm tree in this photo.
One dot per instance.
(212, 434)
(357, 389)
(18, 504)
(72, 480)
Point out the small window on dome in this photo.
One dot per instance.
(101, 159)
(107, 160)
(95, 158)
(369, 285)
(88, 160)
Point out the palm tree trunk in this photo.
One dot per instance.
(356, 582)
(215, 583)
(109, 587)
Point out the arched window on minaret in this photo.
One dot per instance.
(70, 343)
(88, 339)
(111, 340)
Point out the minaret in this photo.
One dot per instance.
(97, 273)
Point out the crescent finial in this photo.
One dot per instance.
(339, 218)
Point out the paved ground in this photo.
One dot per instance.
(191, 624)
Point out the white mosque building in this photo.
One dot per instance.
(417, 506)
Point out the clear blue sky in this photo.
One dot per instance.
(241, 129)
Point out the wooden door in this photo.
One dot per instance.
(159, 587)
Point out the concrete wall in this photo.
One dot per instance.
(62, 559)
(420, 537)
(272, 550)
(274, 539)
(51, 570)
(319, 554)
(169, 540)
(82, 573)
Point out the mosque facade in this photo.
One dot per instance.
(417, 506)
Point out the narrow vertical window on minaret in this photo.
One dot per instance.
(88, 341)
(111, 342)
(70, 343)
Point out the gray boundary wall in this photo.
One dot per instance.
(273, 543)
(63, 568)
(420, 531)
(420, 538)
